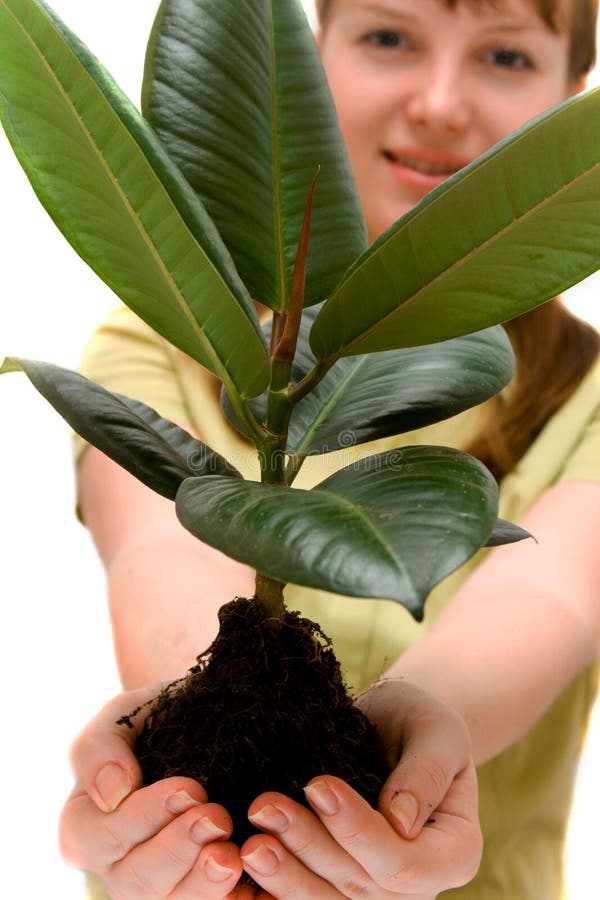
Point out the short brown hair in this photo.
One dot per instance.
(582, 27)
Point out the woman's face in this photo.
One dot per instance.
(421, 90)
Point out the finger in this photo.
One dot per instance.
(171, 863)
(444, 855)
(431, 759)
(359, 829)
(91, 839)
(102, 757)
(435, 750)
(301, 833)
(281, 873)
(218, 870)
(447, 852)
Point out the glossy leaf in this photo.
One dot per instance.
(495, 240)
(363, 398)
(506, 533)
(158, 452)
(391, 525)
(112, 190)
(237, 93)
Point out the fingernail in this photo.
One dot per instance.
(271, 818)
(204, 829)
(262, 860)
(321, 796)
(113, 785)
(405, 810)
(179, 802)
(215, 871)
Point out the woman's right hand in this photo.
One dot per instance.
(163, 840)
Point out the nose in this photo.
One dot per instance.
(439, 98)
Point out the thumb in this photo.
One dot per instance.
(427, 743)
(102, 757)
(436, 751)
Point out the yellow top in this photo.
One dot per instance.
(525, 791)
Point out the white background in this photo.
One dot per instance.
(56, 658)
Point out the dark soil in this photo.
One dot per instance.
(264, 709)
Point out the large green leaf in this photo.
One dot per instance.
(390, 526)
(516, 227)
(363, 398)
(112, 190)
(155, 450)
(373, 396)
(237, 93)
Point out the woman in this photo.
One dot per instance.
(509, 643)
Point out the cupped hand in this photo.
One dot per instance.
(424, 837)
(163, 840)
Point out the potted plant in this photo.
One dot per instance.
(235, 189)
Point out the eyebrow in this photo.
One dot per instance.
(389, 11)
(513, 26)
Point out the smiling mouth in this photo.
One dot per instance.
(421, 165)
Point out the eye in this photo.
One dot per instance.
(384, 37)
(507, 58)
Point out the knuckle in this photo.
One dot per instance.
(350, 837)
(133, 882)
(113, 847)
(70, 851)
(172, 849)
(80, 749)
(356, 885)
(67, 845)
(434, 776)
(402, 879)
(70, 843)
(303, 847)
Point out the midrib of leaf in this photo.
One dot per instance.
(172, 285)
(276, 169)
(343, 386)
(461, 262)
(383, 544)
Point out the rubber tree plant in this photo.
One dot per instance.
(233, 188)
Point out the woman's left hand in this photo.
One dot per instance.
(424, 837)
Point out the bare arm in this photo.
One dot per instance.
(165, 589)
(164, 586)
(523, 625)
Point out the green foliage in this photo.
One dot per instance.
(240, 101)
(118, 198)
(498, 238)
(192, 217)
(399, 520)
(368, 397)
(155, 450)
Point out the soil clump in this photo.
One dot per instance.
(264, 709)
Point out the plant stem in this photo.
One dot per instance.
(272, 449)
(310, 380)
(269, 592)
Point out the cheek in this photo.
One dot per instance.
(360, 114)
(356, 100)
(513, 112)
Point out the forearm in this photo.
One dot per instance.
(502, 682)
(521, 627)
(164, 596)
(165, 587)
